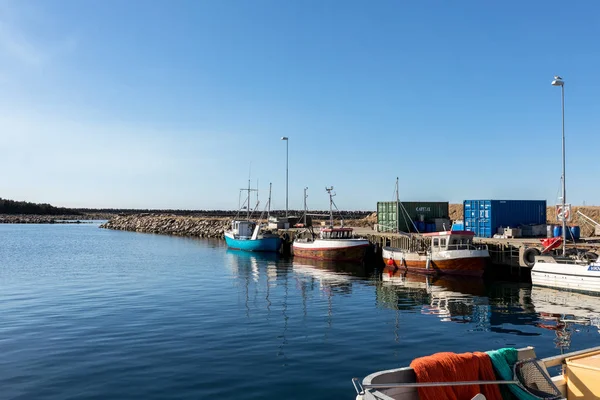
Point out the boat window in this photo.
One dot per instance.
(443, 242)
(436, 242)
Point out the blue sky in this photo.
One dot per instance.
(157, 104)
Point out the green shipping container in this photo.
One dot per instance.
(398, 217)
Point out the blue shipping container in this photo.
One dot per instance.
(484, 217)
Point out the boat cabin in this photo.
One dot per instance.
(242, 228)
(335, 233)
(451, 240)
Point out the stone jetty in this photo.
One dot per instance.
(170, 225)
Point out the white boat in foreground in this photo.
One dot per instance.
(581, 372)
(570, 272)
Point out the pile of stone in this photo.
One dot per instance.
(170, 225)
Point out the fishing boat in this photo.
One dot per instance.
(332, 243)
(573, 270)
(526, 376)
(248, 235)
(448, 252)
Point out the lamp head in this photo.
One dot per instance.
(558, 81)
(284, 138)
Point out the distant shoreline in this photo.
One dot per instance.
(105, 216)
(50, 219)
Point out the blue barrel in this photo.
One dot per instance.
(420, 226)
(575, 232)
(557, 231)
(430, 227)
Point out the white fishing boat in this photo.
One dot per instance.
(332, 243)
(527, 377)
(571, 270)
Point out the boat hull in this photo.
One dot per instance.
(567, 276)
(457, 262)
(267, 244)
(332, 250)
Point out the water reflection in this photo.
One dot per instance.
(566, 313)
(282, 289)
(455, 299)
(330, 276)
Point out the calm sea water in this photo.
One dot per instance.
(88, 313)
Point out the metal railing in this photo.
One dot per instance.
(467, 246)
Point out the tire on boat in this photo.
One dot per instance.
(590, 256)
(529, 256)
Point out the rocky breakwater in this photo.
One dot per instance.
(170, 225)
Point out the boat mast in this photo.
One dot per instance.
(329, 189)
(397, 206)
(248, 202)
(305, 209)
(269, 205)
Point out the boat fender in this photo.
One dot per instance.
(529, 256)
(390, 262)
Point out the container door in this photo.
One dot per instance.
(477, 219)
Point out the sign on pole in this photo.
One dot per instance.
(566, 215)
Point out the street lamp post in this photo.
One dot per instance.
(558, 81)
(286, 173)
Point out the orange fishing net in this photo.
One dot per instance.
(451, 367)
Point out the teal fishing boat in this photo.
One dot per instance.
(249, 235)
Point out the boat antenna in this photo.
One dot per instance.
(329, 190)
